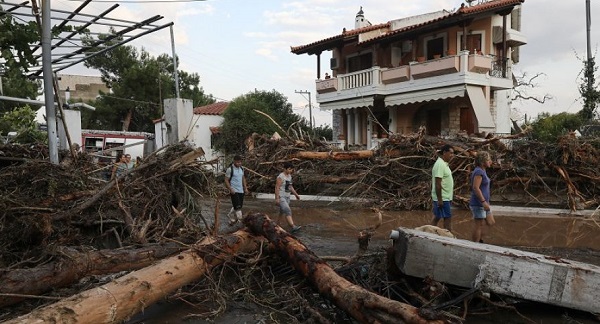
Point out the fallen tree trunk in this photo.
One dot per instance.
(76, 265)
(341, 155)
(363, 305)
(130, 294)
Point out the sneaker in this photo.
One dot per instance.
(295, 229)
(230, 213)
(232, 222)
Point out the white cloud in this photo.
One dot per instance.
(266, 53)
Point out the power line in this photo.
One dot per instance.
(131, 100)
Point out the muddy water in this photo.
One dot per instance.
(328, 222)
(331, 230)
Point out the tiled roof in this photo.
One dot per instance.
(463, 11)
(501, 4)
(345, 33)
(214, 130)
(216, 108)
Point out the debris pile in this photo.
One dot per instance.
(397, 174)
(67, 231)
(44, 205)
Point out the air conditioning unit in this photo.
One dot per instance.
(333, 63)
(406, 46)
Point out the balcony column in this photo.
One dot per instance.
(350, 125)
(464, 61)
(393, 126)
(376, 76)
(369, 132)
(357, 139)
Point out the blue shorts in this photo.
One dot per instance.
(443, 212)
(479, 212)
(284, 206)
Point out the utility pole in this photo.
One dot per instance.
(175, 73)
(48, 82)
(588, 20)
(309, 107)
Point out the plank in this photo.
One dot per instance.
(501, 270)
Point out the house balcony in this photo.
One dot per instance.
(327, 85)
(448, 71)
(397, 74)
(436, 67)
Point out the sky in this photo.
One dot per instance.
(238, 46)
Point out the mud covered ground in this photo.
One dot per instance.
(330, 229)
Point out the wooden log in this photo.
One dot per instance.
(501, 270)
(130, 294)
(361, 304)
(75, 265)
(339, 156)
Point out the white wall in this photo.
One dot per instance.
(73, 121)
(179, 114)
(202, 133)
(503, 106)
(160, 134)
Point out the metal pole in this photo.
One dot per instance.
(588, 20)
(310, 111)
(175, 73)
(48, 83)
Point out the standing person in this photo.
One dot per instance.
(442, 187)
(480, 195)
(130, 164)
(283, 191)
(235, 181)
(120, 166)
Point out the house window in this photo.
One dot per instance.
(475, 43)
(360, 62)
(434, 45)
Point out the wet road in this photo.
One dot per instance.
(330, 229)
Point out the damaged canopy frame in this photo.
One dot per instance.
(58, 52)
(67, 48)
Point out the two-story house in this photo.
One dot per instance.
(449, 71)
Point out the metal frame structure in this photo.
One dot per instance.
(58, 52)
(67, 50)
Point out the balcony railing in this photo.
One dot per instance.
(441, 66)
(376, 79)
(498, 66)
(356, 79)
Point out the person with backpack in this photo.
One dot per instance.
(235, 181)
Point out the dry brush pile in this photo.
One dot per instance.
(44, 205)
(397, 175)
(53, 216)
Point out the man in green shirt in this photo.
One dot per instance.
(442, 187)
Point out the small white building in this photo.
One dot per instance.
(201, 132)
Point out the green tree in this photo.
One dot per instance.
(323, 131)
(16, 57)
(241, 119)
(588, 90)
(22, 121)
(139, 83)
(548, 128)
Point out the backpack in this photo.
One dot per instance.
(231, 171)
